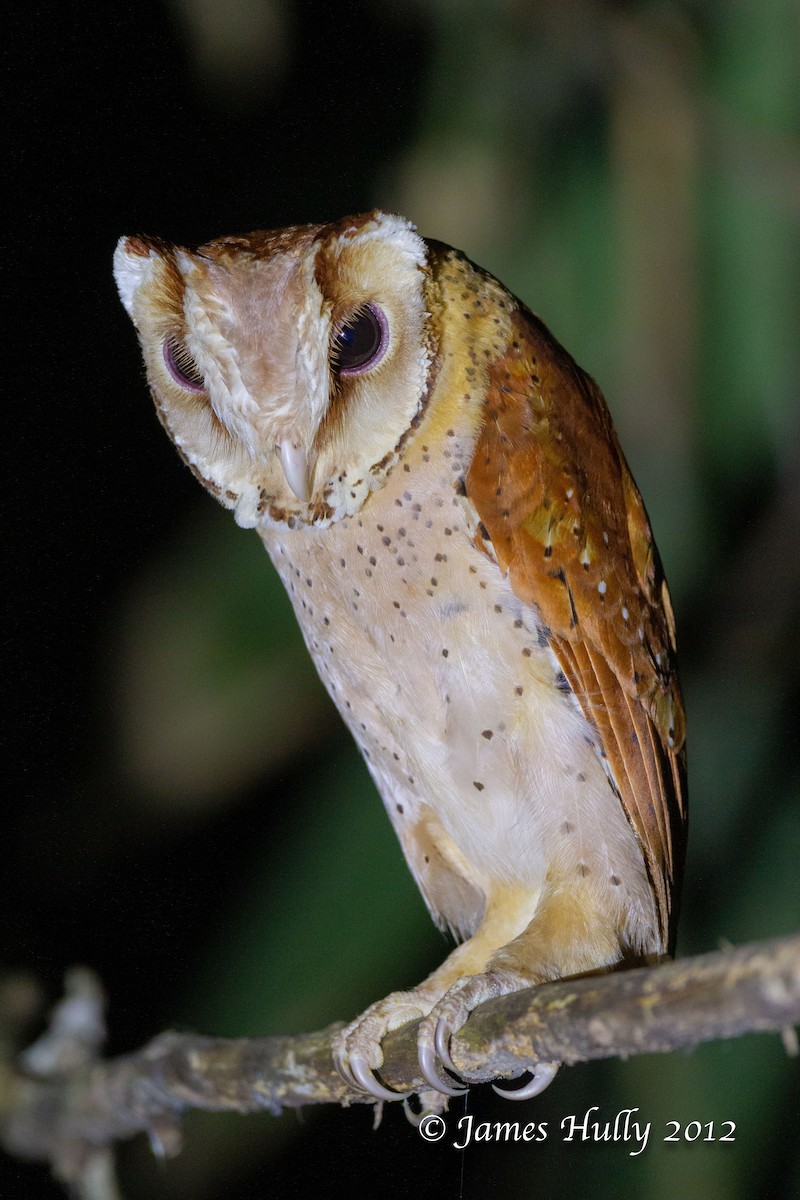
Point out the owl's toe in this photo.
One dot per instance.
(356, 1049)
(448, 1016)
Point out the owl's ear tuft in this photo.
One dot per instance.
(133, 262)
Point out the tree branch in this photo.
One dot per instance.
(66, 1111)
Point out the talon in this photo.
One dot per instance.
(343, 1067)
(427, 1066)
(541, 1078)
(365, 1080)
(441, 1040)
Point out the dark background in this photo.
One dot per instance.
(183, 811)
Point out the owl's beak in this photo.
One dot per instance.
(298, 469)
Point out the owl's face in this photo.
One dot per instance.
(287, 368)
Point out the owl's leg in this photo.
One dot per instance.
(571, 933)
(357, 1049)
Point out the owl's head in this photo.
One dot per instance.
(288, 368)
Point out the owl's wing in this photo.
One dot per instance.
(559, 511)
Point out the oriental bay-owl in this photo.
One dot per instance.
(443, 495)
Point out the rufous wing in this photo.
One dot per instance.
(559, 511)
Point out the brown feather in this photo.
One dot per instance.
(559, 506)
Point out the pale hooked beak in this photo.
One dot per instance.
(297, 468)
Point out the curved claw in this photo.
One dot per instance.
(427, 1066)
(365, 1079)
(347, 1075)
(541, 1078)
(441, 1040)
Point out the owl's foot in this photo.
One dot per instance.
(451, 1012)
(357, 1052)
(356, 1049)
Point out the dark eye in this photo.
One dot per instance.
(182, 367)
(361, 342)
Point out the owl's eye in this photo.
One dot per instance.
(361, 342)
(182, 367)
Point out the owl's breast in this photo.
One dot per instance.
(448, 683)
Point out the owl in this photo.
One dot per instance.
(442, 492)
